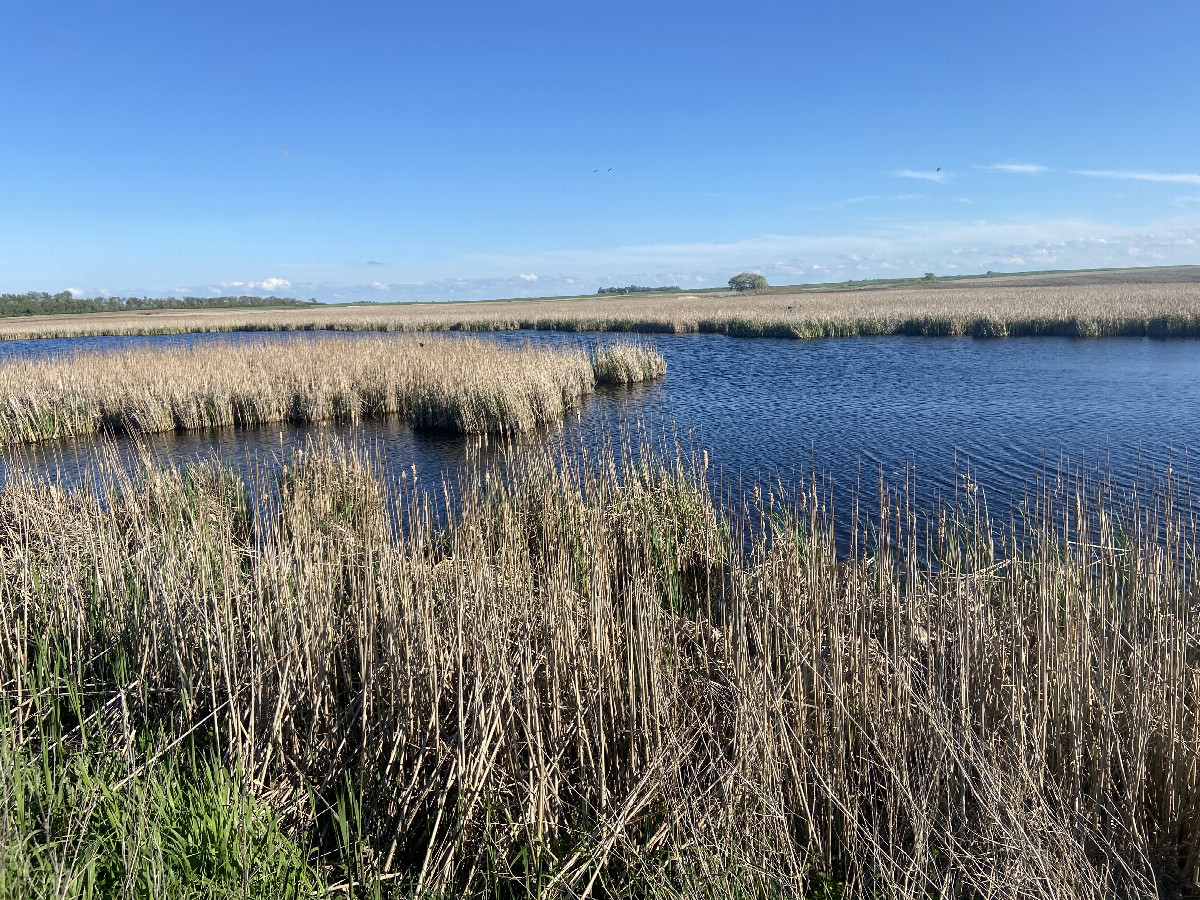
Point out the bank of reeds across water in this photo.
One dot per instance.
(461, 385)
(1159, 310)
(588, 681)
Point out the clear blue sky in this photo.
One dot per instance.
(438, 150)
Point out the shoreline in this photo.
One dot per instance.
(1148, 309)
(982, 327)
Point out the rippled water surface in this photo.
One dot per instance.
(923, 409)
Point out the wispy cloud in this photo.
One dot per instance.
(876, 198)
(879, 247)
(1169, 177)
(527, 277)
(267, 284)
(1016, 168)
(923, 176)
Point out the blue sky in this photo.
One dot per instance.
(450, 150)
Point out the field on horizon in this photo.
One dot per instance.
(1072, 304)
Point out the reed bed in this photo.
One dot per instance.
(589, 681)
(627, 363)
(1047, 306)
(462, 385)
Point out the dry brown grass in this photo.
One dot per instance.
(462, 385)
(985, 309)
(591, 681)
(627, 363)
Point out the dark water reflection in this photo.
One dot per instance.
(912, 410)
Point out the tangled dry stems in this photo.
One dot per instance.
(590, 679)
(627, 363)
(462, 385)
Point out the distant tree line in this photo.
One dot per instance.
(39, 303)
(635, 289)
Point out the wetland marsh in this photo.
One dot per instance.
(672, 642)
(1154, 303)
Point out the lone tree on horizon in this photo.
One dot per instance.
(747, 281)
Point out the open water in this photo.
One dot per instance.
(915, 412)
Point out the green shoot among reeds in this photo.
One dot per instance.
(464, 385)
(588, 681)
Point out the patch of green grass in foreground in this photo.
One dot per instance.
(79, 822)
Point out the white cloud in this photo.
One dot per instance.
(267, 284)
(75, 292)
(527, 277)
(924, 176)
(970, 241)
(1017, 168)
(380, 286)
(1169, 177)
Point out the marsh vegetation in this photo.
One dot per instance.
(465, 386)
(990, 308)
(590, 679)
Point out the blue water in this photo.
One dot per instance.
(919, 411)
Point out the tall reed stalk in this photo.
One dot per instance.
(589, 681)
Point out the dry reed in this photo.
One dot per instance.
(992, 308)
(590, 681)
(462, 385)
(627, 363)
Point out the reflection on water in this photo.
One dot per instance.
(921, 411)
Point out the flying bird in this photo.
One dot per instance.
(939, 168)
